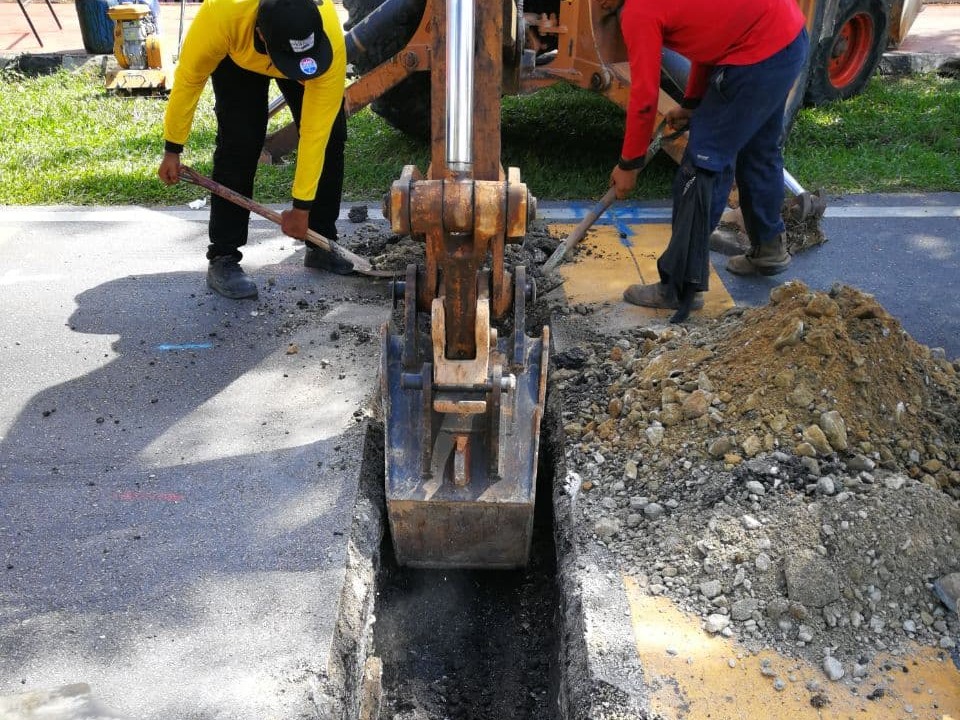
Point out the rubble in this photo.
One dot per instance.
(788, 473)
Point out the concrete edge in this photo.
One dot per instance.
(351, 688)
(897, 63)
(43, 63)
(600, 676)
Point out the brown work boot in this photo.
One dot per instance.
(769, 258)
(658, 295)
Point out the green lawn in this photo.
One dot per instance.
(65, 140)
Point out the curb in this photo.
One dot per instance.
(898, 63)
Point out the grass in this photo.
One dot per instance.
(65, 140)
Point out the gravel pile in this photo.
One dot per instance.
(789, 473)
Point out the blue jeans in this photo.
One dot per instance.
(736, 132)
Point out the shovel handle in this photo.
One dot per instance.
(360, 263)
(192, 176)
(580, 230)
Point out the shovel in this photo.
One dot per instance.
(360, 264)
(566, 247)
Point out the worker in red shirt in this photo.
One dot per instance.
(239, 46)
(745, 56)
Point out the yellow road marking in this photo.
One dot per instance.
(689, 676)
(605, 266)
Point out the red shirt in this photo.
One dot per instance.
(706, 32)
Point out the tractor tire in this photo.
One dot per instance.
(406, 106)
(842, 65)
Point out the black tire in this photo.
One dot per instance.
(842, 65)
(407, 105)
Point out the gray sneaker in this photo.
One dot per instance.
(227, 278)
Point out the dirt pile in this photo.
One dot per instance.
(789, 472)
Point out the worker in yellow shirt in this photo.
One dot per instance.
(240, 45)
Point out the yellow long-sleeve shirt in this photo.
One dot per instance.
(225, 28)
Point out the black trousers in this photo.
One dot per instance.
(241, 99)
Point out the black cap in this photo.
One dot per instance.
(295, 41)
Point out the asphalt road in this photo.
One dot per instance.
(178, 472)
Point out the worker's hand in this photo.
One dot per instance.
(169, 170)
(678, 118)
(293, 222)
(624, 181)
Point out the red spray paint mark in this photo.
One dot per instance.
(133, 495)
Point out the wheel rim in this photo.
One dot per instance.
(851, 50)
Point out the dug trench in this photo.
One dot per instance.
(471, 644)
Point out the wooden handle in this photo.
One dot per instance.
(360, 263)
(580, 230)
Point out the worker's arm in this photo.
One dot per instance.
(322, 99)
(643, 35)
(696, 83)
(204, 46)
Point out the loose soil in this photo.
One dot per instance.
(790, 473)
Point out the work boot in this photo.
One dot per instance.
(317, 258)
(227, 278)
(658, 295)
(769, 258)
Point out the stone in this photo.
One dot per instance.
(653, 510)
(716, 623)
(821, 305)
(801, 396)
(810, 580)
(743, 609)
(654, 434)
(832, 668)
(752, 445)
(606, 528)
(720, 447)
(947, 588)
(835, 429)
(826, 485)
(696, 404)
(816, 437)
(791, 335)
(710, 589)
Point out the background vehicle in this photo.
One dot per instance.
(564, 41)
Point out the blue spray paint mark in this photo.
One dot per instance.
(186, 346)
(625, 232)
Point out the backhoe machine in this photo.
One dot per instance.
(463, 403)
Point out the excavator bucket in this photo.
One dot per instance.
(461, 459)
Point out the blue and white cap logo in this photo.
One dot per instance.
(299, 46)
(308, 66)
